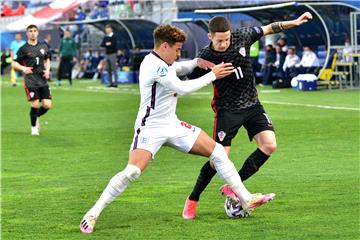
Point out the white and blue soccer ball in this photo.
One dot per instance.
(233, 208)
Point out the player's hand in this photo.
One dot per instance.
(27, 70)
(46, 74)
(304, 18)
(222, 70)
(204, 64)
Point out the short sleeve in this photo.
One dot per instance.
(20, 56)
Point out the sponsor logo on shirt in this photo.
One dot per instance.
(221, 135)
(162, 71)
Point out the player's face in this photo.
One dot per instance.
(32, 34)
(173, 52)
(220, 40)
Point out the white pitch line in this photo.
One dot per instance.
(200, 95)
(312, 105)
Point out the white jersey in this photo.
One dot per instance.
(159, 87)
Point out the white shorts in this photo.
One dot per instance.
(178, 134)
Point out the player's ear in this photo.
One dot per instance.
(165, 45)
(210, 36)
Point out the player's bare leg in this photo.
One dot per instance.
(138, 160)
(266, 141)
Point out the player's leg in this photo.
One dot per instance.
(35, 103)
(188, 138)
(225, 129)
(227, 171)
(207, 147)
(260, 128)
(33, 98)
(146, 143)
(46, 103)
(138, 160)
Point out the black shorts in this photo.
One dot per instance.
(38, 93)
(227, 124)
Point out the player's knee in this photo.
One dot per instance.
(132, 172)
(269, 147)
(47, 105)
(35, 104)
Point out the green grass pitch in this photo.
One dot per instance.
(50, 181)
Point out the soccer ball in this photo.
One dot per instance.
(233, 208)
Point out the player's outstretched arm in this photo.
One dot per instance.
(277, 27)
(172, 82)
(185, 67)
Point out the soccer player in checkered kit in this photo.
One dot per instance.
(33, 59)
(157, 124)
(235, 100)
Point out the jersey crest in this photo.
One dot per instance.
(42, 51)
(162, 71)
(242, 52)
(221, 135)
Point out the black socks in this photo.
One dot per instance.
(42, 111)
(206, 174)
(33, 116)
(252, 164)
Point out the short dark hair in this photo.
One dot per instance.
(31, 26)
(219, 24)
(108, 26)
(168, 33)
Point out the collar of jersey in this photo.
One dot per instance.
(33, 45)
(157, 55)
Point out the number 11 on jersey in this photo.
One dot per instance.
(239, 73)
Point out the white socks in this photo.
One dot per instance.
(228, 173)
(115, 187)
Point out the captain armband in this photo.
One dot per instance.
(277, 27)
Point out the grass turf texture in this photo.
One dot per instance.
(50, 181)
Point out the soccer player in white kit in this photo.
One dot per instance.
(157, 123)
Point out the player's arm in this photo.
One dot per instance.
(47, 68)
(185, 67)
(17, 66)
(277, 27)
(172, 82)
